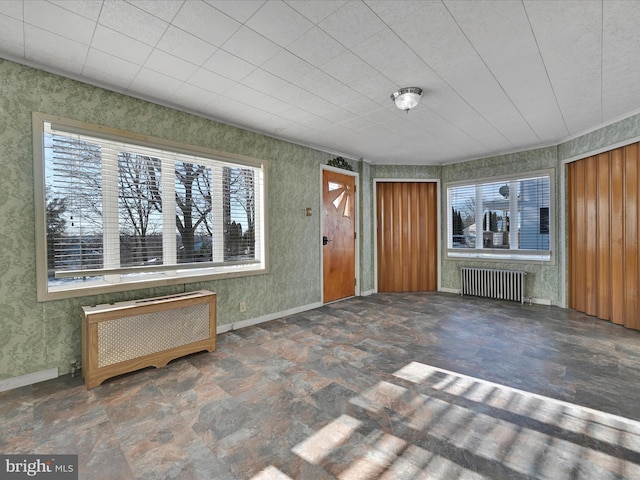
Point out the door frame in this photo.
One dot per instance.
(374, 202)
(356, 175)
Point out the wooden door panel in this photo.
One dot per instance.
(630, 247)
(407, 236)
(339, 227)
(603, 251)
(603, 235)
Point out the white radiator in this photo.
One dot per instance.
(500, 284)
(127, 336)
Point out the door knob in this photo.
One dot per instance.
(325, 240)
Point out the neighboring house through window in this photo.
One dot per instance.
(508, 219)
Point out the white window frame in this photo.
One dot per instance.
(173, 273)
(514, 255)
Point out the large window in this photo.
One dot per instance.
(120, 211)
(508, 219)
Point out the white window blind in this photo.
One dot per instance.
(118, 212)
(507, 219)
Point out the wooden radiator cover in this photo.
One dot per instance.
(126, 336)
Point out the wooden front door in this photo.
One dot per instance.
(338, 230)
(407, 236)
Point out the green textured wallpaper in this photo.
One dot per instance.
(37, 336)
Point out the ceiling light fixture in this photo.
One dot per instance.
(406, 98)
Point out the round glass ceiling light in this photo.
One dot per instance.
(406, 98)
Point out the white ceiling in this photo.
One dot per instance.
(499, 76)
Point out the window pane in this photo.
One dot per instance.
(140, 209)
(462, 227)
(73, 210)
(495, 215)
(534, 199)
(239, 214)
(193, 212)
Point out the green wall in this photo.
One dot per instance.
(37, 336)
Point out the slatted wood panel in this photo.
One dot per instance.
(407, 236)
(603, 214)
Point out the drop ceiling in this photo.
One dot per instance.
(498, 76)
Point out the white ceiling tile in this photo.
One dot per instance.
(352, 23)
(257, 99)
(357, 123)
(327, 87)
(240, 11)
(57, 20)
(186, 46)
(288, 66)
(316, 47)
(453, 109)
(205, 22)
(194, 98)
(361, 105)
(228, 65)
(108, 69)
(490, 78)
(12, 8)
(133, 22)
(348, 68)
(315, 122)
(250, 46)
(119, 45)
(292, 94)
(264, 82)
(568, 34)
(210, 81)
(619, 75)
(322, 108)
(154, 84)
(316, 10)
(279, 22)
(295, 114)
(448, 52)
(510, 50)
(389, 55)
(11, 36)
(170, 65)
(47, 48)
(163, 9)
(90, 10)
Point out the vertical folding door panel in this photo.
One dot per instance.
(603, 251)
(603, 235)
(407, 236)
(616, 248)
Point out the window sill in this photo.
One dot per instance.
(99, 288)
(543, 257)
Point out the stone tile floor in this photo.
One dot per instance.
(391, 386)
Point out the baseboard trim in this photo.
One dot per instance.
(28, 379)
(450, 290)
(541, 301)
(266, 318)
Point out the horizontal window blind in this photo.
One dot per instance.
(501, 219)
(117, 211)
